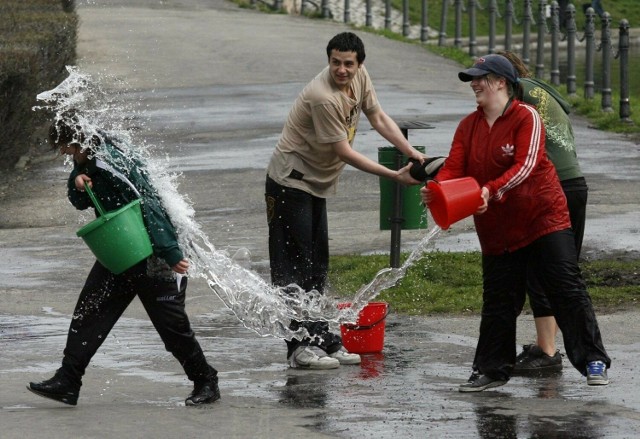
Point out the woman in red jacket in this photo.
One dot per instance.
(523, 226)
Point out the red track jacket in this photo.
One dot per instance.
(510, 160)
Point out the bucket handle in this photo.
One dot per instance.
(367, 327)
(94, 199)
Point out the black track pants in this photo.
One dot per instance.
(299, 252)
(105, 297)
(549, 262)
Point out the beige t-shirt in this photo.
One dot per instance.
(321, 115)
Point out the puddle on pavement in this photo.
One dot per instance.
(409, 390)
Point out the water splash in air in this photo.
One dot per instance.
(261, 307)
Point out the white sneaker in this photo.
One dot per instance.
(345, 357)
(311, 357)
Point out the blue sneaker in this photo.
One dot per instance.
(597, 374)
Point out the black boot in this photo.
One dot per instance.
(57, 388)
(204, 392)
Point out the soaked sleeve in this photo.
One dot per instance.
(162, 233)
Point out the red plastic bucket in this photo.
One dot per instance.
(367, 335)
(453, 200)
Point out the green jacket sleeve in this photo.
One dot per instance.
(113, 193)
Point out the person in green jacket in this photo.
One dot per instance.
(116, 179)
(561, 150)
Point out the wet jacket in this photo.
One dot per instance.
(113, 193)
(526, 199)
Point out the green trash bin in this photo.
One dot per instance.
(413, 212)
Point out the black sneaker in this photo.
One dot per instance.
(57, 388)
(204, 392)
(533, 359)
(478, 382)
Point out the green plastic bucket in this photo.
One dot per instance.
(413, 212)
(118, 239)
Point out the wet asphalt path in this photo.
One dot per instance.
(216, 83)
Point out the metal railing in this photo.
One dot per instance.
(553, 39)
(551, 32)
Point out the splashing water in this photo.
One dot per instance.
(388, 277)
(261, 307)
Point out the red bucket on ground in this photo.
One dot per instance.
(453, 200)
(367, 335)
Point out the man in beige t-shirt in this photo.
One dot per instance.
(313, 149)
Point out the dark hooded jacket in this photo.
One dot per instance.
(113, 193)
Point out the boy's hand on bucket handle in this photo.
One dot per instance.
(181, 267)
(81, 179)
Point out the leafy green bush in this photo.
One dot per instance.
(37, 41)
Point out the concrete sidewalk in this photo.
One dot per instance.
(215, 83)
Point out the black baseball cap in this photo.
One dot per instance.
(496, 64)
